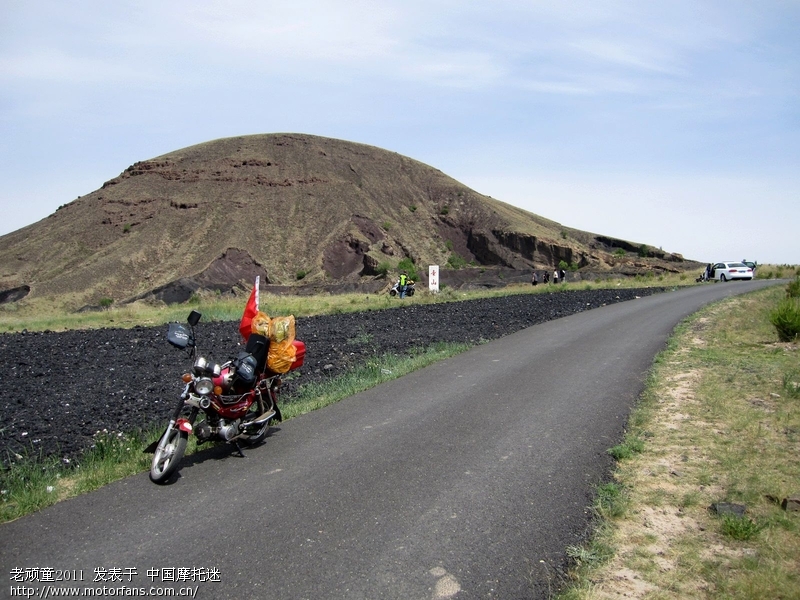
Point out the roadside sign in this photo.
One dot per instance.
(433, 278)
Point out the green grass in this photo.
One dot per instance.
(632, 445)
(740, 528)
(31, 482)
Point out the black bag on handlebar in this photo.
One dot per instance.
(245, 366)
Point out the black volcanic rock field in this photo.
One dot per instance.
(60, 389)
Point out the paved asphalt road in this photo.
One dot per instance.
(467, 479)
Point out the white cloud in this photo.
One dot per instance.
(669, 95)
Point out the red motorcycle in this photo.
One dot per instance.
(234, 402)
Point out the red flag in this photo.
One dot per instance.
(250, 311)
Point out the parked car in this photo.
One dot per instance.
(726, 271)
(751, 264)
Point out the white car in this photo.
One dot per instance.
(726, 271)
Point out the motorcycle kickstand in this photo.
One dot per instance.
(238, 448)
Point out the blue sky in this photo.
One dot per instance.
(675, 124)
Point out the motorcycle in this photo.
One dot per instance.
(234, 402)
(395, 290)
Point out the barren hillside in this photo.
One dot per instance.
(299, 210)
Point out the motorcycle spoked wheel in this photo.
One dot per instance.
(166, 460)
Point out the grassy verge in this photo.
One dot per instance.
(718, 423)
(31, 484)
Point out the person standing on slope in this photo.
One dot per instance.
(402, 284)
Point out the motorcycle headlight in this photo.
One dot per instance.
(203, 386)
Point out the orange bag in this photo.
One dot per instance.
(282, 351)
(281, 356)
(281, 329)
(260, 324)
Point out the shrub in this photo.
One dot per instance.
(456, 262)
(386, 225)
(786, 319)
(444, 210)
(383, 269)
(413, 208)
(106, 302)
(644, 251)
(619, 252)
(301, 274)
(563, 234)
(793, 289)
(449, 245)
(407, 265)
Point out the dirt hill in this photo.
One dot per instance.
(303, 212)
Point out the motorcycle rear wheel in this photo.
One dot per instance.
(166, 461)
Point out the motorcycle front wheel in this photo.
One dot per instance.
(168, 455)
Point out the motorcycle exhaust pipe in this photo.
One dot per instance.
(262, 419)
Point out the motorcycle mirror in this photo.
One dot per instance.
(194, 318)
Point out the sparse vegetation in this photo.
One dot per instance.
(301, 274)
(383, 269)
(106, 302)
(791, 384)
(568, 266)
(455, 261)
